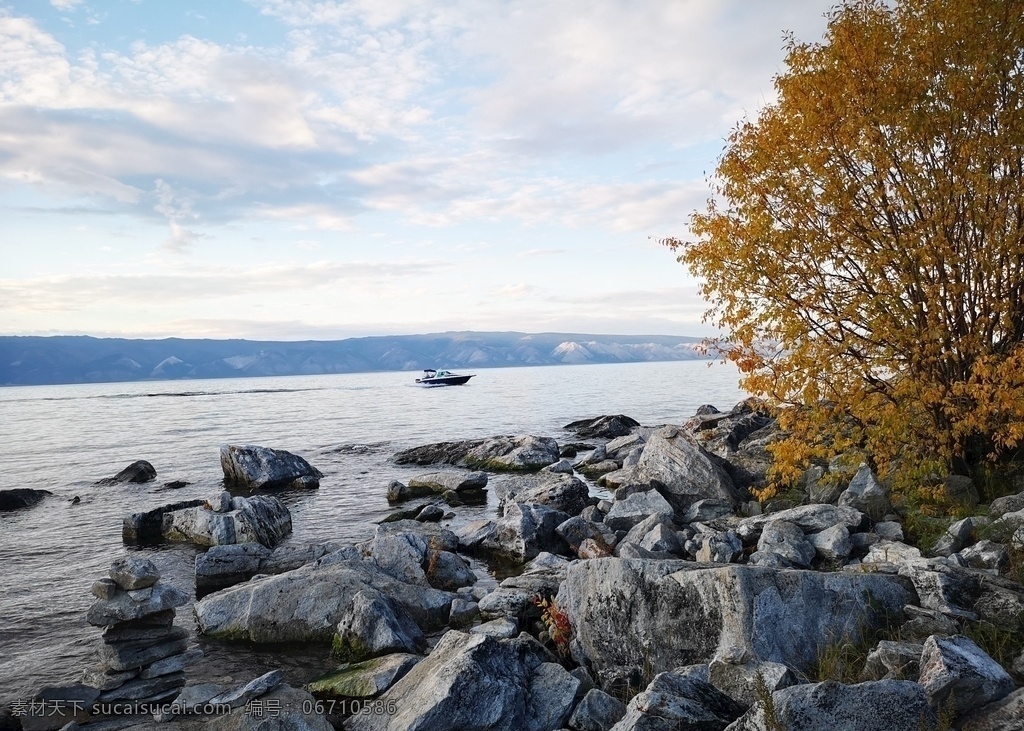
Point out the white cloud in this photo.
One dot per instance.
(65, 4)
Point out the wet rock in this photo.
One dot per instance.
(365, 679)
(147, 527)
(137, 472)
(430, 514)
(21, 497)
(441, 482)
(122, 608)
(132, 655)
(172, 664)
(141, 688)
(603, 427)
(253, 689)
(259, 519)
(261, 467)
(561, 467)
(956, 668)
(885, 705)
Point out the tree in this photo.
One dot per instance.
(864, 246)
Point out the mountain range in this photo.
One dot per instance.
(29, 360)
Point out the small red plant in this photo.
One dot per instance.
(557, 622)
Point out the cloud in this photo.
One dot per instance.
(65, 5)
(68, 293)
(515, 291)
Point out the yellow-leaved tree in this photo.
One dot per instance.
(864, 246)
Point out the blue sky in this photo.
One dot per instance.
(291, 169)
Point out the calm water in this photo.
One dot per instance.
(64, 438)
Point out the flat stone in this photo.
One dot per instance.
(144, 688)
(253, 689)
(121, 608)
(156, 627)
(172, 664)
(364, 679)
(132, 572)
(502, 628)
(131, 655)
(97, 677)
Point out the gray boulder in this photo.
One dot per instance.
(885, 705)
(719, 547)
(679, 700)
(132, 572)
(511, 454)
(294, 709)
(306, 604)
(664, 614)
(137, 472)
(893, 661)
(783, 545)
(1004, 715)
(957, 537)
(473, 682)
(1006, 504)
(556, 490)
(261, 467)
(956, 668)
(686, 472)
(986, 555)
(866, 494)
(598, 711)
(810, 519)
(525, 530)
(637, 507)
(441, 482)
(603, 427)
(832, 544)
(374, 625)
(738, 677)
(259, 519)
(223, 566)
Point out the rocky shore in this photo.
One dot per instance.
(641, 589)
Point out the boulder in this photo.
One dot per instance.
(704, 511)
(866, 494)
(812, 518)
(473, 682)
(679, 700)
(664, 614)
(603, 427)
(526, 530)
(955, 669)
(519, 453)
(502, 628)
(598, 711)
(832, 544)
(147, 527)
(1004, 715)
(441, 482)
(719, 547)
(132, 572)
(576, 530)
(137, 472)
(306, 604)
(885, 705)
(259, 519)
(374, 625)
(957, 537)
(783, 545)
(893, 661)
(556, 490)
(473, 534)
(1006, 504)
(738, 677)
(986, 555)
(261, 467)
(365, 679)
(20, 497)
(636, 508)
(685, 472)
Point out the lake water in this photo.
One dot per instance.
(65, 438)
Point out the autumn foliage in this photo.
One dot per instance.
(864, 246)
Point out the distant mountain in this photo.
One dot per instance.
(81, 359)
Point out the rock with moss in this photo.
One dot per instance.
(365, 679)
(374, 625)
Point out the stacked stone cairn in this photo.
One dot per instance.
(144, 655)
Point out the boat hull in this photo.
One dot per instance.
(445, 381)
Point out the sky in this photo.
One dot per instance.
(293, 169)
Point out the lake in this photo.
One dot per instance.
(65, 438)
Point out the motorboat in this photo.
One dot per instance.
(434, 377)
